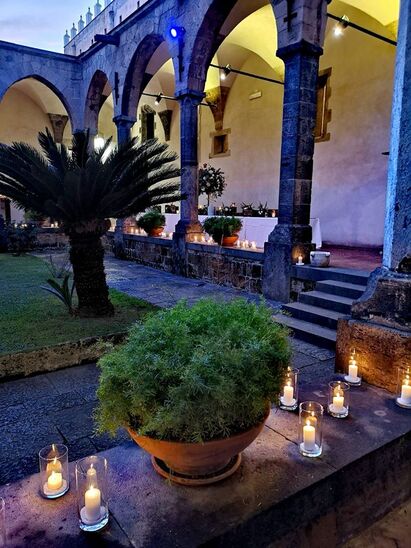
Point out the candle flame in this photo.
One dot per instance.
(307, 422)
(55, 460)
(288, 383)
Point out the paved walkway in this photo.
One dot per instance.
(58, 406)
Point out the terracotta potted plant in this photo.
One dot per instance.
(223, 230)
(193, 385)
(153, 222)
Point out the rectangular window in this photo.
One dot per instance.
(323, 112)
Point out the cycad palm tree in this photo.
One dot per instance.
(82, 190)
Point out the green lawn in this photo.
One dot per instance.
(31, 318)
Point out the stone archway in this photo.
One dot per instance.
(98, 91)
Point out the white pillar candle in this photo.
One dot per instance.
(55, 481)
(253, 245)
(338, 402)
(353, 371)
(300, 259)
(406, 393)
(92, 500)
(288, 395)
(309, 437)
(245, 243)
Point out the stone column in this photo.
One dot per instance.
(188, 225)
(124, 126)
(380, 323)
(292, 236)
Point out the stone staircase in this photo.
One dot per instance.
(314, 317)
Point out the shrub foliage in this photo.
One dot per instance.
(194, 374)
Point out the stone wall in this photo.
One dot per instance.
(226, 266)
(155, 252)
(231, 267)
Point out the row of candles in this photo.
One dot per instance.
(198, 239)
(311, 412)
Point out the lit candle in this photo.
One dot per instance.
(238, 242)
(300, 259)
(92, 500)
(171, 235)
(195, 238)
(253, 245)
(92, 476)
(309, 436)
(245, 243)
(54, 466)
(338, 402)
(288, 395)
(203, 239)
(55, 481)
(406, 392)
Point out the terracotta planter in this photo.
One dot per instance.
(198, 463)
(155, 231)
(230, 240)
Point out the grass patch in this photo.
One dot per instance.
(30, 318)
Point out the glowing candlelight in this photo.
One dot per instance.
(309, 436)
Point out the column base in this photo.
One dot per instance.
(380, 350)
(387, 300)
(285, 244)
(183, 233)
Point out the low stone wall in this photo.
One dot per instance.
(50, 237)
(155, 252)
(51, 358)
(232, 267)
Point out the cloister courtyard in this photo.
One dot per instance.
(205, 274)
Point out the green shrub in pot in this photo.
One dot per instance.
(151, 220)
(222, 227)
(195, 374)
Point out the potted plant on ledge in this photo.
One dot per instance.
(193, 385)
(223, 230)
(153, 222)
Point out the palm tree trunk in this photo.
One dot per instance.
(87, 259)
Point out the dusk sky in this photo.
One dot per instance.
(40, 23)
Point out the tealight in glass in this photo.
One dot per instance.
(310, 428)
(54, 471)
(403, 398)
(353, 378)
(92, 499)
(289, 392)
(339, 399)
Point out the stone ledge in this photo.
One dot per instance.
(230, 251)
(277, 497)
(51, 358)
(148, 239)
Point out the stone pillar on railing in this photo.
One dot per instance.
(124, 126)
(188, 225)
(301, 27)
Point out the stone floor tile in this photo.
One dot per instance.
(19, 391)
(300, 360)
(80, 448)
(76, 422)
(106, 441)
(51, 404)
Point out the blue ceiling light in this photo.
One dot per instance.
(177, 32)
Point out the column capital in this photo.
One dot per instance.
(301, 47)
(194, 95)
(124, 121)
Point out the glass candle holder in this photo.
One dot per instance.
(311, 428)
(91, 486)
(403, 398)
(289, 393)
(353, 377)
(3, 532)
(339, 399)
(54, 471)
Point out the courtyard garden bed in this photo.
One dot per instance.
(32, 320)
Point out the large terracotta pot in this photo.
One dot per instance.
(156, 231)
(198, 463)
(230, 240)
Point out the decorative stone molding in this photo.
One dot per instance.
(166, 117)
(58, 123)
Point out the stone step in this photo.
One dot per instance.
(309, 332)
(327, 301)
(344, 289)
(314, 314)
(315, 274)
